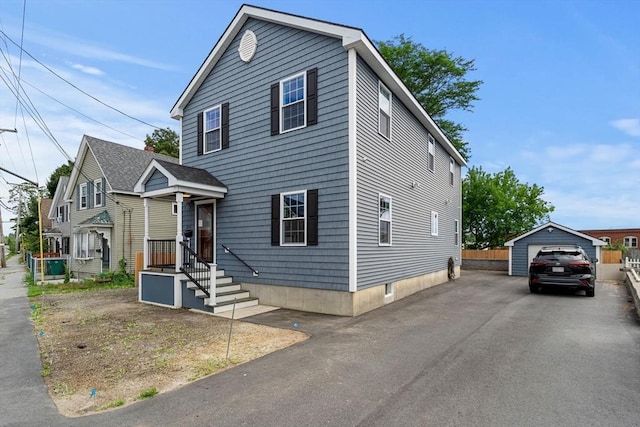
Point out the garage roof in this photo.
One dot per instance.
(596, 242)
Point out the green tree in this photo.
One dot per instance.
(25, 196)
(438, 81)
(497, 207)
(164, 141)
(52, 182)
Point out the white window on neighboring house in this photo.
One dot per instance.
(213, 129)
(84, 244)
(384, 111)
(606, 239)
(174, 208)
(84, 198)
(384, 220)
(431, 153)
(434, 223)
(293, 102)
(97, 193)
(631, 242)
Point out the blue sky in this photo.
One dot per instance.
(560, 103)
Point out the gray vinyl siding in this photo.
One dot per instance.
(519, 252)
(157, 182)
(257, 165)
(390, 167)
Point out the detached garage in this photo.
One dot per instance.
(523, 248)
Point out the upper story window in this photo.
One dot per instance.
(452, 171)
(213, 129)
(631, 242)
(84, 198)
(456, 232)
(294, 218)
(384, 111)
(431, 153)
(63, 214)
(98, 193)
(606, 239)
(294, 102)
(384, 220)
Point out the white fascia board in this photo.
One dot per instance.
(151, 167)
(82, 152)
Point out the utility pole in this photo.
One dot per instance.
(3, 260)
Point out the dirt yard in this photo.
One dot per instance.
(103, 349)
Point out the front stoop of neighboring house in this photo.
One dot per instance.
(229, 295)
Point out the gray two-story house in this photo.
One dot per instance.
(309, 173)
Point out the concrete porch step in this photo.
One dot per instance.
(230, 296)
(240, 303)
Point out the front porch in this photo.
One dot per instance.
(182, 272)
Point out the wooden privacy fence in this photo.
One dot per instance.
(496, 254)
(608, 257)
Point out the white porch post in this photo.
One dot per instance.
(179, 236)
(146, 233)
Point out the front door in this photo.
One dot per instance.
(205, 231)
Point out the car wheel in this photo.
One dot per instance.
(533, 289)
(590, 292)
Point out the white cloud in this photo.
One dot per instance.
(629, 126)
(88, 70)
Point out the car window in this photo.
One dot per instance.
(561, 256)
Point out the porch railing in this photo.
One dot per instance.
(253, 270)
(196, 269)
(162, 253)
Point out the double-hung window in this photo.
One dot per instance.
(293, 102)
(84, 196)
(97, 193)
(384, 111)
(452, 171)
(213, 129)
(431, 153)
(84, 244)
(384, 220)
(456, 232)
(434, 223)
(294, 218)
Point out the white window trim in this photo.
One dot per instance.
(390, 221)
(456, 232)
(452, 172)
(84, 187)
(431, 153)
(87, 237)
(174, 208)
(606, 239)
(97, 193)
(628, 240)
(381, 86)
(282, 218)
(302, 74)
(434, 223)
(205, 130)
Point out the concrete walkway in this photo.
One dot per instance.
(24, 399)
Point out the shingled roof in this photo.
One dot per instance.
(189, 174)
(122, 165)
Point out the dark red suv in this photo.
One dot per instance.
(565, 267)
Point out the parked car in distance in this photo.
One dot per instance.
(563, 267)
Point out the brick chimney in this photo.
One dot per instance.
(149, 148)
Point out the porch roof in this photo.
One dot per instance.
(180, 179)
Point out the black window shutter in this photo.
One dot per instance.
(312, 97)
(225, 125)
(312, 220)
(104, 192)
(78, 197)
(275, 220)
(200, 125)
(275, 109)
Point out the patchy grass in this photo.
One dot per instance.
(148, 393)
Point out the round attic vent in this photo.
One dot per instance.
(248, 46)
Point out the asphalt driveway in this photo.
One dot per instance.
(478, 351)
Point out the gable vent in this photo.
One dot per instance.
(248, 45)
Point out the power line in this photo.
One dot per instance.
(76, 87)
